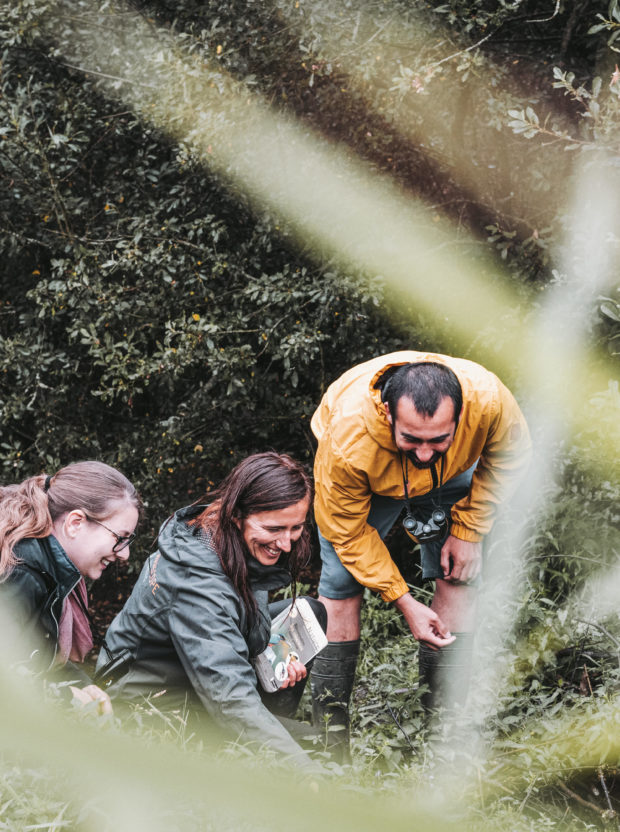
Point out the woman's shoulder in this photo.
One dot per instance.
(31, 582)
(34, 563)
(186, 560)
(33, 550)
(183, 543)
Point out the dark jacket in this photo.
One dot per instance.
(186, 630)
(38, 586)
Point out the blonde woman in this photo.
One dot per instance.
(55, 531)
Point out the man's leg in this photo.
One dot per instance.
(333, 673)
(445, 672)
(456, 604)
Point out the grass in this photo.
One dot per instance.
(544, 755)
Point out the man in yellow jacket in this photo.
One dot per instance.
(441, 441)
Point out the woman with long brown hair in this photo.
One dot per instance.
(55, 531)
(199, 612)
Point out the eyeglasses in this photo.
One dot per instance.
(122, 541)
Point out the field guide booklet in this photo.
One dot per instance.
(296, 635)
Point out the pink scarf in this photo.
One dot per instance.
(75, 639)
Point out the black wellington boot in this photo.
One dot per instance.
(445, 673)
(331, 680)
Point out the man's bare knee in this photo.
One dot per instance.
(455, 604)
(343, 617)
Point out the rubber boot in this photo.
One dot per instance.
(445, 673)
(331, 680)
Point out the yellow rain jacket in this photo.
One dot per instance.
(357, 457)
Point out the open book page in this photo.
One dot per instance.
(296, 635)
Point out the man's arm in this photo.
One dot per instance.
(424, 623)
(502, 465)
(341, 506)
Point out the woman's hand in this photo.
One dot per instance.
(296, 672)
(91, 693)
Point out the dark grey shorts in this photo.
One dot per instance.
(337, 582)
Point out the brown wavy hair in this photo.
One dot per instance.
(30, 508)
(262, 482)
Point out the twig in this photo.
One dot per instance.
(278, 322)
(370, 39)
(602, 629)
(490, 35)
(546, 19)
(21, 237)
(463, 51)
(610, 812)
(580, 799)
(116, 115)
(603, 782)
(59, 206)
(110, 77)
(527, 796)
(399, 726)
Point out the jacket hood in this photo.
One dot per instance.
(375, 416)
(184, 544)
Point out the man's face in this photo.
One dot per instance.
(423, 439)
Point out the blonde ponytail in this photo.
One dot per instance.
(24, 512)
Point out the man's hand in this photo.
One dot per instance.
(296, 672)
(91, 693)
(461, 560)
(423, 622)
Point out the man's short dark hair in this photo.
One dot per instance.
(426, 384)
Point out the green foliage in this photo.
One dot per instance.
(30, 798)
(388, 723)
(149, 317)
(610, 24)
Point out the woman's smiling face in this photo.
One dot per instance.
(269, 534)
(89, 544)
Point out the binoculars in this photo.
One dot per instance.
(424, 531)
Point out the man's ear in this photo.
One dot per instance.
(387, 412)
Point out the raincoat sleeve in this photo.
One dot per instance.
(502, 465)
(341, 509)
(205, 627)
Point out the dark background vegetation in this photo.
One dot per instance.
(153, 316)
